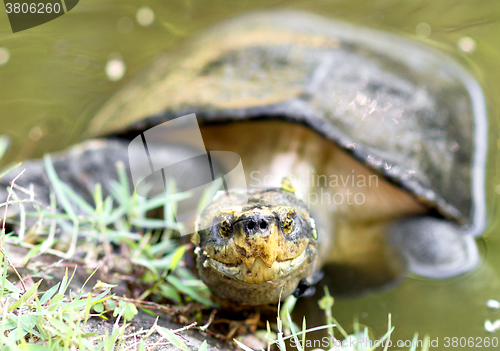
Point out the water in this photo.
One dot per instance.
(56, 76)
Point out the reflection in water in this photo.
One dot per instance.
(56, 81)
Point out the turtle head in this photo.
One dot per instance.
(254, 252)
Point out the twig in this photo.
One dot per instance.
(192, 325)
(150, 304)
(4, 204)
(210, 320)
(233, 330)
(2, 249)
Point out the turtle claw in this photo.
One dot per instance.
(306, 287)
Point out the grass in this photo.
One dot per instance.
(290, 337)
(115, 236)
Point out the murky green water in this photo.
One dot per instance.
(54, 82)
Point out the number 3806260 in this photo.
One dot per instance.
(471, 342)
(32, 7)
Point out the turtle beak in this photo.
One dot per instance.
(257, 236)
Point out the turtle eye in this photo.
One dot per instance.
(288, 223)
(225, 228)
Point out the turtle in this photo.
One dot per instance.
(360, 148)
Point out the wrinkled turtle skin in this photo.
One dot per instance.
(291, 93)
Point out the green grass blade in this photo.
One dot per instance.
(203, 346)
(387, 335)
(177, 257)
(77, 199)
(31, 291)
(170, 336)
(152, 223)
(4, 145)
(243, 346)
(293, 332)
(10, 169)
(49, 293)
(281, 342)
(59, 189)
(8, 285)
(425, 346)
(188, 291)
(414, 342)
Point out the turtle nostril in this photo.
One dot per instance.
(251, 224)
(263, 225)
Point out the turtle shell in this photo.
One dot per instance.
(407, 111)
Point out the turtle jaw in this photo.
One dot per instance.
(264, 285)
(259, 254)
(259, 272)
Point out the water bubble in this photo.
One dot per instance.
(125, 25)
(4, 55)
(466, 45)
(430, 195)
(35, 133)
(493, 304)
(374, 160)
(387, 106)
(453, 146)
(115, 68)
(145, 16)
(492, 327)
(423, 29)
(408, 174)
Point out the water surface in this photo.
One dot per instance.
(55, 81)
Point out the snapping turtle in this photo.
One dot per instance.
(354, 142)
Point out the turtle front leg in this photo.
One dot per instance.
(93, 162)
(434, 248)
(80, 167)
